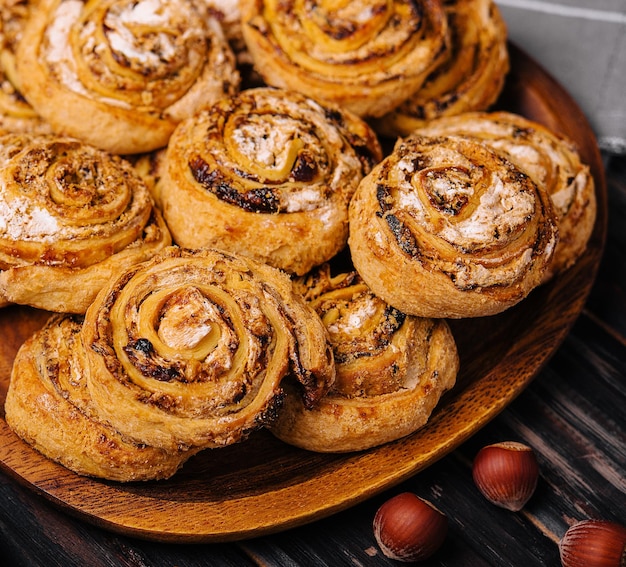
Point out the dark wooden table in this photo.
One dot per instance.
(573, 414)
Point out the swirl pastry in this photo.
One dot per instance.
(391, 369)
(16, 115)
(190, 349)
(70, 216)
(471, 76)
(268, 173)
(464, 231)
(49, 406)
(550, 159)
(365, 55)
(120, 74)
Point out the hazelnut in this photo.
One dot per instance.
(408, 528)
(594, 543)
(506, 474)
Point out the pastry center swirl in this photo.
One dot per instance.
(66, 202)
(350, 38)
(460, 208)
(344, 24)
(142, 53)
(271, 160)
(81, 194)
(196, 328)
(457, 200)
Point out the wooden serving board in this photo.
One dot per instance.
(262, 485)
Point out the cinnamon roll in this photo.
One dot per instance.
(268, 173)
(70, 216)
(191, 349)
(366, 55)
(470, 77)
(448, 227)
(120, 74)
(550, 159)
(49, 406)
(392, 369)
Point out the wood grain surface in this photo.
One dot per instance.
(211, 499)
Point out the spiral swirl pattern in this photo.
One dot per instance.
(68, 208)
(366, 56)
(471, 76)
(120, 74)
(268, 173)
(190, 349)
(466, 231)
(391, 369)
(550, 159)
(49, 406)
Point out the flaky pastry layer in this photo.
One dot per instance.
(268, 173)
(365, 56)
(392, 369)
(553, 162)
(70, 216)
(120, 74)
(447, 227)
(49, 406)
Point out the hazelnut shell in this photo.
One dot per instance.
(594, 543)
(506, 474)
(408, 528)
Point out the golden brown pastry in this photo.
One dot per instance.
(191, 348)
(120, 74)
(365, 55)
(268, 173)
(150, 166)
(49, 406)
(70, 216)
(391, 369)
(447, 227)
(16, 115)
(470, 77)
(228, 14)
(550, 159)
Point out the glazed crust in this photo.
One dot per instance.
(392, 370)
(550, 159)
(464, 231)
(71, 216)
(49, 406)
(471, 76)
(191, 349)
(92, 78)
(269, 174)
(365, 56)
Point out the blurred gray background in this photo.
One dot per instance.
(582, 43)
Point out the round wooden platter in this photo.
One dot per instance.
(262, 485)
